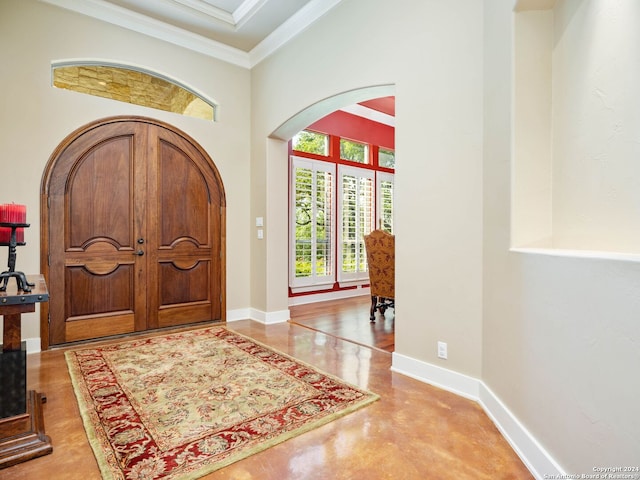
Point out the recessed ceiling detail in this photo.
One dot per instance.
(233, 12)
(242, 32)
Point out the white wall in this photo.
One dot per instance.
(561, 335)
(556, 339)
(531, 175)
(577, 126)
(432, 52)
(35, 117)
(596, 124)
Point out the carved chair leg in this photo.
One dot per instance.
(374, 303)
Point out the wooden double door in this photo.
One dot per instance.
(132, 233)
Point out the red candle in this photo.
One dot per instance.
(5, 232)
(12, 213)
(21, 217)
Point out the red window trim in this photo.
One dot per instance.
(334, 146)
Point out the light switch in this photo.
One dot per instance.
(260, 234)
(259, 222)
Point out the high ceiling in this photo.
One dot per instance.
(242, 32)
(241, 24)
(239, 31)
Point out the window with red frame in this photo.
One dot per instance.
(340, 190)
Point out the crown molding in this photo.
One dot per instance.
(246, 10)
(209, 10)
(242, 14)
(122, 17)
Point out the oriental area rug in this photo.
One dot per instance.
(182, 405)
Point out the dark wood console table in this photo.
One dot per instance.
(22, 434)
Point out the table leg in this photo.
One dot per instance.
(11, 332)
(22, 435)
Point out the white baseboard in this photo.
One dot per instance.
(539, 462)
(33, 344)
(533, 455)
(454, 382)
(239, 314)
(269, 318)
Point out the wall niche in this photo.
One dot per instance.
(576, 126)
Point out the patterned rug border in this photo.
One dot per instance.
(89, 415)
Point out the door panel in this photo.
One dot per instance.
(96, 304)
(184, 262)
(133, 236)
(93, 278)
(100, 195)
(91, 294)
(191, 301)
(191, 217)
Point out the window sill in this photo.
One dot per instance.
(312, 288)
(353, 283)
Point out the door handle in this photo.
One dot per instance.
(141, 241)
(139, 253)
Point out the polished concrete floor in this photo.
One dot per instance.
(415, 431)
(348, 319)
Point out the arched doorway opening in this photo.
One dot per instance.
(342, 281)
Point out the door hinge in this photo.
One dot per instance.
(49, 318)
(49, 259)
(48, 202)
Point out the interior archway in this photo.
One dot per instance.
(316, 111)
(277, 146)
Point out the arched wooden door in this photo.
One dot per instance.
(132, 237)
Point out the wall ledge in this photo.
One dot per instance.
(576, 253)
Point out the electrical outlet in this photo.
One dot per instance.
(442, 350)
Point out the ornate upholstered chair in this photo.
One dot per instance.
(381, 260)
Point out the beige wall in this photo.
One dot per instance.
(576, 123)
(556, 339)
(532, 165)
(35, 117)
(596, 124)
(561, 335)
(438, 88)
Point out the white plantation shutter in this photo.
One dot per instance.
(311, 224)
(384, 199)
(356, 219)
(332, 207)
